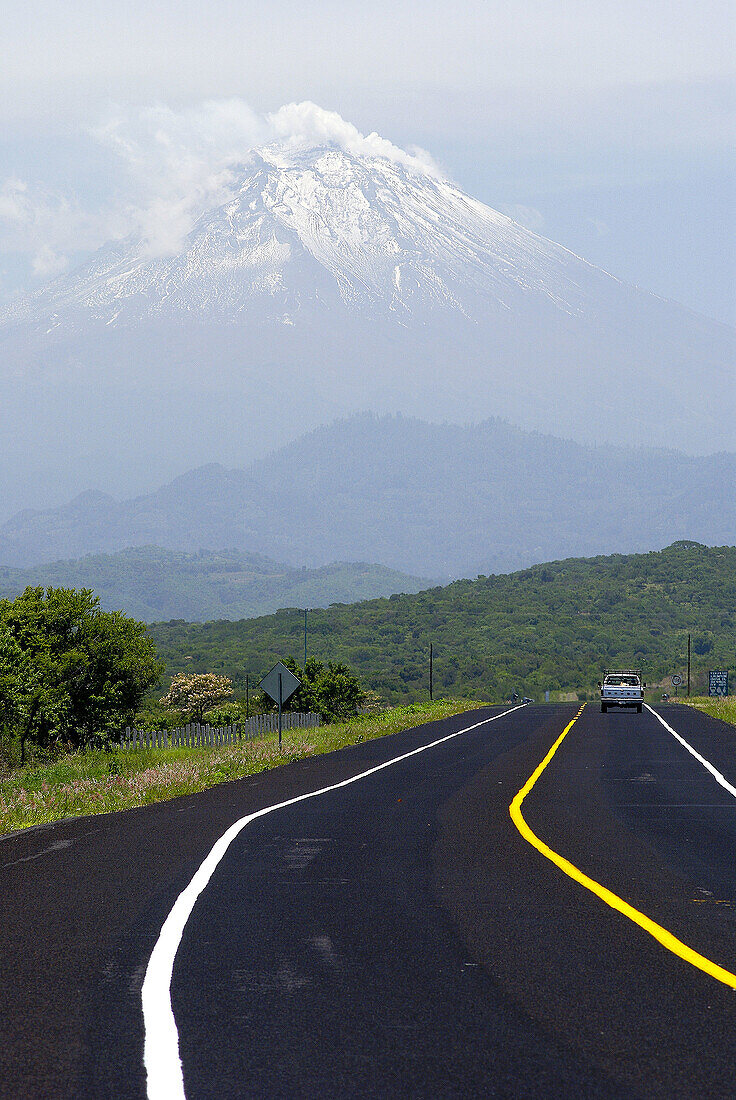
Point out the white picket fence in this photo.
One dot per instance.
(195, 735)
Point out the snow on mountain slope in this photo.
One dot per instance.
(304, 227)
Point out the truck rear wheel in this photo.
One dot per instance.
(638, 708)
(604, 708)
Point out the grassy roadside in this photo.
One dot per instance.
(102, 782)
(716, 706)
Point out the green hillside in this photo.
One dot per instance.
(152, 584)
(552, 627)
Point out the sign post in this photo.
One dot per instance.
(280, 684)
(676, 681)
(718, 682)
(281, 699)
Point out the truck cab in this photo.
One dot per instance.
(622, 689)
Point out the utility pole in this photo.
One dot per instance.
(431, 654)
(247, 698)
(688, 666)
(305, 637)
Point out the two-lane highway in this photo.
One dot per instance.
(396, 934)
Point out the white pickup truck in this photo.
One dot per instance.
(622, 689)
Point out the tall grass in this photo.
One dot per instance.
(715, 706)
(98, 782)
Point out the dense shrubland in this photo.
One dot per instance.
(553, 626)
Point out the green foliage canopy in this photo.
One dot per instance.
(70, 672)
(332, 690)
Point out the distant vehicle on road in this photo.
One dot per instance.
(622, 689)
(526, 699)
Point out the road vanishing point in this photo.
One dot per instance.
(536, 901)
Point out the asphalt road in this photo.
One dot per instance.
(396, 936)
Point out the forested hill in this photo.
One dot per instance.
(554, 626)
(150, 583)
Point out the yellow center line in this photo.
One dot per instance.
(677, 947)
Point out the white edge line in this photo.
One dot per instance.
(706, 763)
(164, 1073)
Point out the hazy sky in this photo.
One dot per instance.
(606, 126)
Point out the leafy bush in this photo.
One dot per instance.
(152, 715)
(227, 714)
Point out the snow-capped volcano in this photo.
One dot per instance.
(321, 224)
(344, 275)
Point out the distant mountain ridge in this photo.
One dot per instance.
(428, 500)
(154, 584)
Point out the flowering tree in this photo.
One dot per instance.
(197, 693)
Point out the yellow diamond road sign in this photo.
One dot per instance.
(289, 683)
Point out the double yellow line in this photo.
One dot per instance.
(670, 942)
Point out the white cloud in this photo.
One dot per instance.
(178, 164)
(48, 228)
(47, 263)
(182, 163)
(299, 124)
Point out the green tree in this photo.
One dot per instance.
(333, 690)
(32, 697)
(80, 672)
